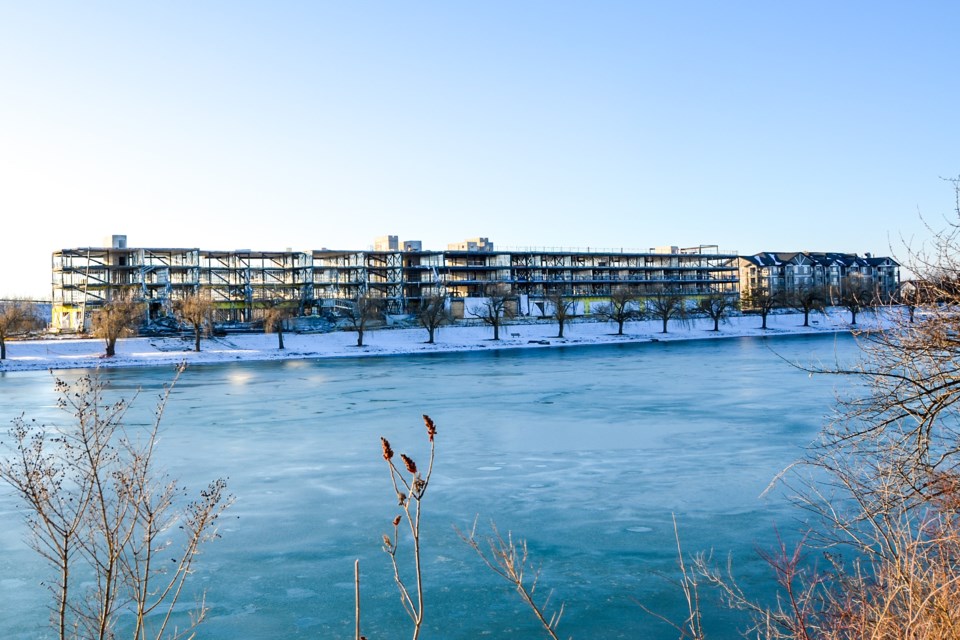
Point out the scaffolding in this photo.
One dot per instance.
(87, 278)
(241, 284)
(347, 275)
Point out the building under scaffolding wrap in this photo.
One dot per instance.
(241, 284)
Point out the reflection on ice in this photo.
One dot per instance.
(240, 377)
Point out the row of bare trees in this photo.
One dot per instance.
(120, 317)
(856, 296)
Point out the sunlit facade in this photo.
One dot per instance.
(242, 283)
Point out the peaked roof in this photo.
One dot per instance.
(823, 258)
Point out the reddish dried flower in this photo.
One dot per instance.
(431, 428)
(396, 521)
(409, 464)
(387, 451)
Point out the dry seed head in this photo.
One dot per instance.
(431, 427)
(387, 451)
(409, 464)
(396, 521)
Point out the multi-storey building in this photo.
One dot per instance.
(85, 279)
(238, 282)
(791, 272)
(241, 283)
(465, 271)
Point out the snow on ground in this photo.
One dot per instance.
(61, 353)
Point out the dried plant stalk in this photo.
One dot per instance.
(510, 561)
(409, 486)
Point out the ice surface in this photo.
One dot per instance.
(586, 453)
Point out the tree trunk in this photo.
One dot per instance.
(196, 338)
(665, 319)
(496, 330)
(64, 589)
(560, 333)
(430, 332)
(620, 327)
(280, 336)
(853, 317)
(716, 323)
(359, 337)
(111, 347)
(806, 317)
(3, 349)
(764, 316)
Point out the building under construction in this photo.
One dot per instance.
(242, 283)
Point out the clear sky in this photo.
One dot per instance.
(266, 125)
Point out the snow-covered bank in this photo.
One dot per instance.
(29, 355)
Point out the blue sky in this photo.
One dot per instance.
(267, 125)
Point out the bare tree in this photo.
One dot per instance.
(667, 304)
(911, 296)
(276, 315)
(433, 314)
(102, 518)
(197, 311)
(495, 308)
(17, 317)
(806, 299)
(716, 306)
(622, 306)
(858, 296)
(761, 301)
(360, 312)
(116, 319)
(883, 484)
(563, 308)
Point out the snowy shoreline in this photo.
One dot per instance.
(57, 354)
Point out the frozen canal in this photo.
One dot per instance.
(585, 452)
